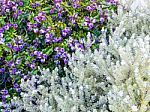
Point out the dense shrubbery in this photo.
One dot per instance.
(75, 56)
(42, 33)
(114, 78)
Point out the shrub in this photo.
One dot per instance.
(35, 33)
(113, 78)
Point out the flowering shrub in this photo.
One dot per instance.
(94, 81)
(114, 78)
(36, 33)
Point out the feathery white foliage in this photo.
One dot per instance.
(83, 89)
(131, 88)
(128, 22)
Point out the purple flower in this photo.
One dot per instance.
(15, 25)
(18, 61)
(32, 65)
(14, 8)
(64, 55)
(102, 19)
(15, 48)
(91, 25)
(47, 35)
(44, 56)
(2, 70)
(15, 85)
(6, 27)
(18, 90)
(33, 5)
(56, 56)
(15, 15)
(4, 92)
(1, 30)
(65, 61)
(20, 47)
(42, 31)
(9, 45)
(19, 12)
(89, 8)
(39, 54)
(21, 3)
(62, 50)
(37, 4)
(56, 49)
(35, 52)
(36, 30)
(74, 6)
(52, 11)
(7, 10)
(42, 60)
(14, 70)
(64, 33)
(11, 64)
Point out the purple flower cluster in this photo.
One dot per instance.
(4, 93)
(76, 4)
(30, 30)
(4, 28)
(73, 18)
(112, 2)
(48, 38)
(91, 7)
(57, 3)
(89, 22)
(41, 17)
(66, 31)
(8, 6)
(73, 44)
(35, 5)
(17, 87)
(60, 55)
(39, 56)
